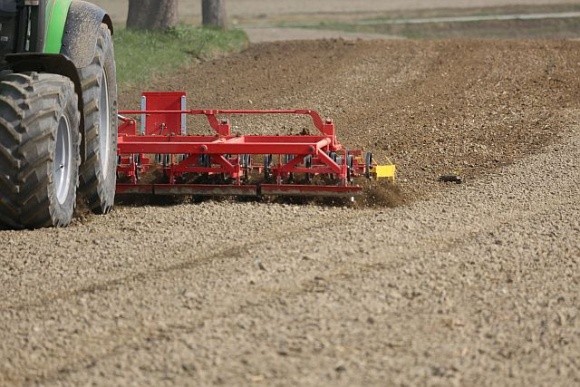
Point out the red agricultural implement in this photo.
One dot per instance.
(224, 163)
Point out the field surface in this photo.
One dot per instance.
(253, 10)
(472, 284)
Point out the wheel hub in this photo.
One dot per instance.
(63, 160)
(104, 127)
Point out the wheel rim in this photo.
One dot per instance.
(63, 160)
(104, 127)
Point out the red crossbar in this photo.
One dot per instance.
(324, 126)
(239, 190)
(297, 145)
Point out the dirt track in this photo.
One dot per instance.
(476, 284)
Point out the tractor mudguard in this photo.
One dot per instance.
(50, 63)
(47, 63)
(81, 31)
(79, 42)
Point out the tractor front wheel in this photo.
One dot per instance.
(39, 150)
(98, 171)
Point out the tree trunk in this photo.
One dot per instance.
(152, 14)
(214, 13)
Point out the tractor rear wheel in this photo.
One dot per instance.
(39, 150)
(98, 171)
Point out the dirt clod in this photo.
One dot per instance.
(381, 193)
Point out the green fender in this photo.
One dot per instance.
(56, 15)
(71, 29)
(79, 39)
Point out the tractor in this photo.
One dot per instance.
(58, 112)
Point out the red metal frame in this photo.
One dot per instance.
(220, 164)
(163, 124)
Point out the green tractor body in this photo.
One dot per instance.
(48, 20)
(58, 111)
(55, 17)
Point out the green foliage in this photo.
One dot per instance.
(142, 54)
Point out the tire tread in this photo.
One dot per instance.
(30, 107)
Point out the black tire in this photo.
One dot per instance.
(39, 150)
(99, 81)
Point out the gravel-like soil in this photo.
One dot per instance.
(473, 284)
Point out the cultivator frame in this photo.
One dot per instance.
(233, 164)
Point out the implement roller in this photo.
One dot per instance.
(230, 164)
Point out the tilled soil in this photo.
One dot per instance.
(431, 107)
(473, 284)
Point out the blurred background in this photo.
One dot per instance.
(392, 18)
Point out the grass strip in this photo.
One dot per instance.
(142, 54)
